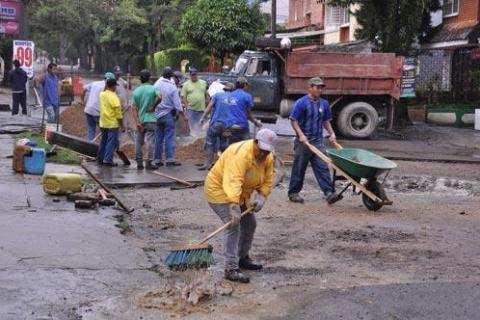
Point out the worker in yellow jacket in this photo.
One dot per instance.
(243, 168)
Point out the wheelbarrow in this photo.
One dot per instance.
(362, 169)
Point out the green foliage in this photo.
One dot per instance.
(173, 58)
(222, 26)
(110, 31)
(395, 23)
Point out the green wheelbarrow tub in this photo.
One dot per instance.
(360, 163)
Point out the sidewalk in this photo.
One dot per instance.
(54, 259)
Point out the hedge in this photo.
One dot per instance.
(173, 57)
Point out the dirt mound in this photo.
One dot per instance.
(194, 151)
(73, 120)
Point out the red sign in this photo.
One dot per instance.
(9, 27)
(10, 16)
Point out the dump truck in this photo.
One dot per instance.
(361, 87)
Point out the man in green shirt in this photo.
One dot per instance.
(145, 97)
(194, 97)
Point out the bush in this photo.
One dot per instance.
(173, 57)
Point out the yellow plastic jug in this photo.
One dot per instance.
(62, 183)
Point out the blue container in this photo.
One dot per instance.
(35, 163)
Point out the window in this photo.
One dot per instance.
(337, 16)
(344, 15)
(252, 67)
(450, 7)
(240, 65)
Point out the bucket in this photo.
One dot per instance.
(77, 86)
(34, 163)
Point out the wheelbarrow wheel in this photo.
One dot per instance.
(377, 189)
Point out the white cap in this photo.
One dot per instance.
(266, 140)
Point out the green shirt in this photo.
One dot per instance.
(143, 98)
(195, 92)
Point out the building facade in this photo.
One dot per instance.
(320, 23)
(450, 60)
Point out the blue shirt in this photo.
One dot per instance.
(221, 108)
(311, 115)
(50, 90)
(170, 98)
(240, 102)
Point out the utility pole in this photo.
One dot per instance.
(274, 19)
(23, 20)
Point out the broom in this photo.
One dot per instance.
(196, 255)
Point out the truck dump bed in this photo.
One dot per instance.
(345, 73)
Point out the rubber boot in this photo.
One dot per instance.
(208, 164)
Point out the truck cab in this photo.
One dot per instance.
(262, 71)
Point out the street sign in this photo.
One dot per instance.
(10, 16)
(408, 77)
(23, 52)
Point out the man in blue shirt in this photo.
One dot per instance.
(309, 116)
(166, 112)
(18, 80)
(241, 103)
(220, 109)
(50, 93)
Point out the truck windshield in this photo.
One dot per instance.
(240, 66)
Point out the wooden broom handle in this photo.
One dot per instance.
(225, 226)
(186, 183)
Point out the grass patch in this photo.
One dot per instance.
(63, 156)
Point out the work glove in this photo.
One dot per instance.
(235, 214)
(258, 202)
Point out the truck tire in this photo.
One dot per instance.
(263, 42)
(357, 120)
(286, 107)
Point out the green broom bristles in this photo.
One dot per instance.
(193, 258)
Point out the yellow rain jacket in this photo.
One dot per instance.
(236, 175)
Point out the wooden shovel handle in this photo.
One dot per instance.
(336, 145)
(225, 226)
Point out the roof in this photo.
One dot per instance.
(298, 34)
(454, 35)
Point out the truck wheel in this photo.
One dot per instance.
(286, 107)
(357, 120)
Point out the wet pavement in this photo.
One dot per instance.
(53, 258)
(130, 177)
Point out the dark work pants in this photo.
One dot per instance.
(19, 99)
(108, 144)
(303, 156)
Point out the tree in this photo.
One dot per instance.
(223, 26)
(395, 25)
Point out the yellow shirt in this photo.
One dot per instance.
(110, 110)
(236, 175)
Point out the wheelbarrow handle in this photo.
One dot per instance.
(329, 161)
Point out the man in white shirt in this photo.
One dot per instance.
(92, 106)
(122, 87)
